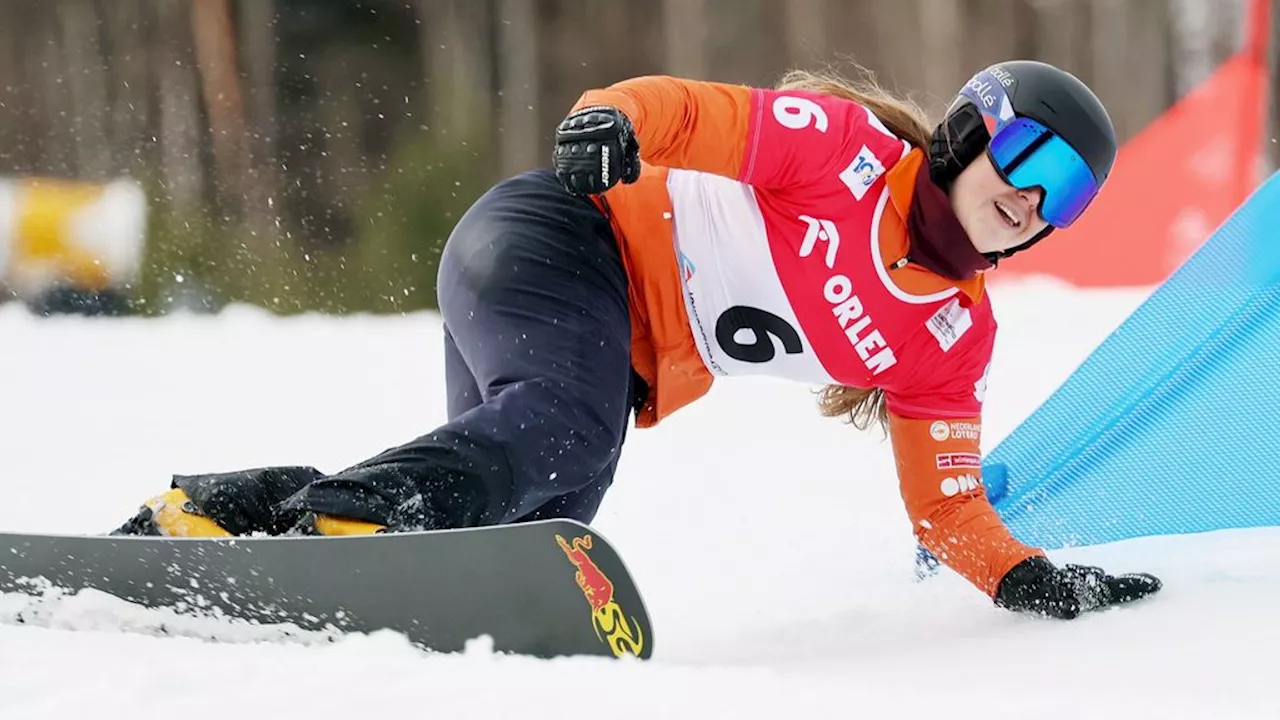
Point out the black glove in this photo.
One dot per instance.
(595, 148)
(1035, 585)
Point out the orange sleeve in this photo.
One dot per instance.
(940, 474)
(681, 123)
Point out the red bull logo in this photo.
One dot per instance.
(597, 587)
(610, 622)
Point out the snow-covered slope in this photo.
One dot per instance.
(769, 542)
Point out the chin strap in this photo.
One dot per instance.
(995, 257)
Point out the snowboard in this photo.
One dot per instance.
(547, 588)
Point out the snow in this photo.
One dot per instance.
(770, 545)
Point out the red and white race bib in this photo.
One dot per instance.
(782, 273)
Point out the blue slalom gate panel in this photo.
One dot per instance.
(1172, 425)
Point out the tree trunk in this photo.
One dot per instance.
(258, 23)
(131, 65)
(215, 46)
(1193, 43)
(86, 83)
(942, 26)
(18, 152)
(179, 110)
(806, 31)
(899, 62)
(458, 67)
(520, 140)
(685, 34)
(1112, 78)
(343, 164)
(1062, 34)
(59, 120)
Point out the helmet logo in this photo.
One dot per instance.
(1004, 76)
(986, 90)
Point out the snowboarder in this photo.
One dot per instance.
(819, 231)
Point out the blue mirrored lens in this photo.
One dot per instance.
(1028, 155)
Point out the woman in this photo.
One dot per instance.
(818, 231)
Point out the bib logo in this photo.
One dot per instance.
(823, 230)
(862, 172)
(846, 307)
(606, 616)
(686, 267)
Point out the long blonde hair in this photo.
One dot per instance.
(862, 406)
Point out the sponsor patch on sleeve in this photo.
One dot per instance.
(947, 461)
(862, 172)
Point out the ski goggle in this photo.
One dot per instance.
(1027, 154)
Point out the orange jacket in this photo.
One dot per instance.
(714, 128)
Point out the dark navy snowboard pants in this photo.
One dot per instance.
(537, 340)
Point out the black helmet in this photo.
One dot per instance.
(995, 99)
